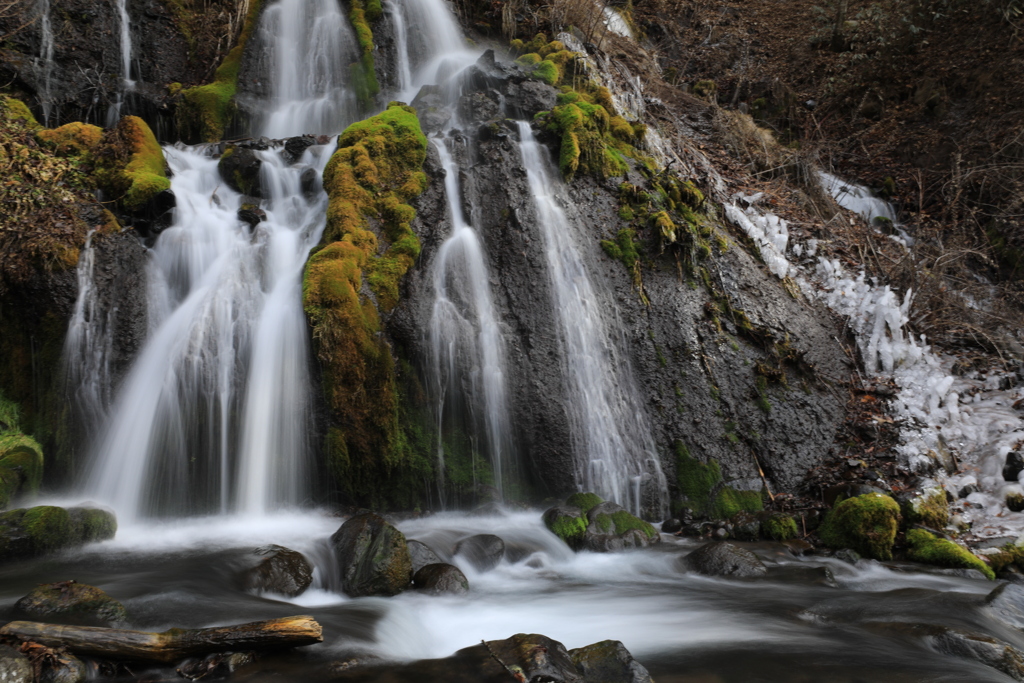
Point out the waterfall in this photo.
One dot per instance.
(46, 56)
(403, 62)
(125, 30)
(431, 44)
(466, 347)
(213, 414)
(311, 46)
(614, 449)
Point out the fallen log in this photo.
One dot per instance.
(172, 645)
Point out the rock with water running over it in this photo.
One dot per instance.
(608, 662)
(282, 571)
(422, 555)
(671, 526)
(483, 551)
(529, 97)
(239, 167)
(295, 147)
(441, 578)
(67, 602)
(27, 532)
(1006, 604)
(14, 666)
(373, 557)
(611, 528)
(724, 559)
(981, 648)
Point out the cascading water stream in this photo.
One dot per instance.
(431, 45)
(46, 56)
(125, 35)
(615, 454)
(466, 345)
(311, 46)
(213, 415)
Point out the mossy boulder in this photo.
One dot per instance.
(422, 555)
(373, 557)
(867, 524)
(928, 548)
(21, 466)
(584, 501)
(928, 508)
(72, 139)
(609, 662)
(281, 570)
(130, 164)
(718, 558)
(568, 523)
(611, 528)
(46, 528)
(67, 602)
(779, 527)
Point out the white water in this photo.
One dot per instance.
(466, 345)
(46, 55)
(403, 67)
(614, 450)
(311, 46)
(125, 36)
(213, 415)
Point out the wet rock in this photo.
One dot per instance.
(671, 526)
(611, 528)
(608, 662)
(373, 557)
(746, 527)
(217, 665)
(929, 549)
(867, 524)
(483, 551)
(239, 167)
(724, 559)
(981, 648)
(962, 573)
(928, 507)
(968, 490)
(67, 602)
(282, 571)
(527, 98)
(27, 532)
(568, 523)
(252, 215)
(1015, 501)
(803, 575)
(799, 546)
(1006, 604)
(14, 666)
(310, 184)
(431, 109)
(422, 555)
(1013, 466)
(441, 578)
(63, 668)
(479, 107)
(294, 148)
(847, 555)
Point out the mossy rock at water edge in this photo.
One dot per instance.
(27, 532)
(866, 523)
(586, 522)
(373, 557)
(929, 508)
(704, 491)
(68, 602)
(130, 164)
(929, 549)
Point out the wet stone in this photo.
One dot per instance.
(14, 666)
(67, 602)
(483, 551)
(282, 571)
(981, 648)
(724, 559)
(422, 555)
(1013, 466)
(847, 555)
(373, 557)
(671, 526)
(440, 579)
(608, 662)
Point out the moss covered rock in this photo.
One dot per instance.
(27, 532)
(67, 602)
(867, 524)
(130, 164)
(779, 527)
(21, 466)
(584, 501)
(370, 246)
(72, 139)
(568, 523)
(611, 528)
(280, 570)
(701, 485)
(240, 169)
(441, 578)
(372, 556)
(929, 549)
(928, 508)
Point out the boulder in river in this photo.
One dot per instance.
(373, 556)
(981, 648)
(608, 662)
(282, 571)
(441, 578)
(240, 169)
(568, 523)
(27, 532)
(422, 555)
(866, 523)
(611, 528)
(483, 551)
(67, 602)
(1013, 465)
(724, 559)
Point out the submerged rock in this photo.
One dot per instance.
(483, 551)
(373, 557)
(608, 662)
(282, 571)
(27, 532)
(67, 602)
(441, 578)
(867, 524)
(422, 555)
(724, 559)
(1006, 604)
(14, 666)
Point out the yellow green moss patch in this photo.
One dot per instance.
(701, 484)
(130, 163)
(363, 72)
(867, 524)
(72, 139)
(929, 549)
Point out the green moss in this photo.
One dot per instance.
(929, 549)
(867, 524)
(363, 72)
(779, 527)
(569, 527)
(704, 88)
(584, 501)
(528, 59)
(72, 139)
(624, 522)
(205, 111)
(49, 527)
(373, 10)
(546, 71)
(130, 163)
(89, 525)
(702, 486)
(18, 110)
(376, 170)
(929, 509)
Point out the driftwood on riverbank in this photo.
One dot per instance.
(172, 645)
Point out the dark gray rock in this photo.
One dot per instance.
(431, 109)
(64, 668)
(282, 571)
(422, 555)
(847, 555)
(295, 147)
(239, 168)
(671, 526)
(968, 490)
(14, 666)
(529, 97)
(608, 662)
(483, 551)
(724, 559)
(1006, 604)
(981, 648)
(373, 557)
(1013, 466)
(214, 666)
(311, 184)
(479, 107)
(441, 578)
(251, 215)
(67, 602)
